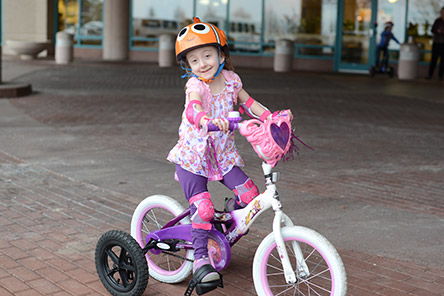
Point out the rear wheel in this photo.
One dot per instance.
(152, 214)
(120, 264)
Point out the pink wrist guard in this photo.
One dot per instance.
(192, 114)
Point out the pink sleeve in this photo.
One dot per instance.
(236, 83)
(193, 85)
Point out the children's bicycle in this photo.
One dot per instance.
(292, 260)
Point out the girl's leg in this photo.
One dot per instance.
(193, 185)
(201, 212)
(243, 187)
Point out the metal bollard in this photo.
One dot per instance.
(408, 65)
(64, 48)
(167, 57)
(283, 56)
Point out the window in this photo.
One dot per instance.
(245, 19)
(310, 24)
(150, 19)
(213, 11)
(83, 19)
(421, 15)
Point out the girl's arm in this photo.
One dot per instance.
(197, 116)
(252, 107)
(258, 110)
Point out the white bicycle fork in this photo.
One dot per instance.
(280, 218)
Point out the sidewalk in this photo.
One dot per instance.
(78, 155)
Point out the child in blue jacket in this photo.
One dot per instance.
(383, 44)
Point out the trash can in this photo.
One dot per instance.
(408, 65)
(167, 57)
(64, 48)
(283, 56)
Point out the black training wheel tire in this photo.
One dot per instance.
(121, 264)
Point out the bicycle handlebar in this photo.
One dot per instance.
(214, 128)
(233, 118)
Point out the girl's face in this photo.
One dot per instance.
(204, 61)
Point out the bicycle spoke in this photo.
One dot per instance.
(313, 290)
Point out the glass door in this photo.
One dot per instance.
(356, 37)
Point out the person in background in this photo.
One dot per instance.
(383, 44)
(438, 46)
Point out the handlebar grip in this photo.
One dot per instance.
(213, 128)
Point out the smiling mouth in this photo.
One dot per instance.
(189, 40)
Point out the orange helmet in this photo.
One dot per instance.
(199, 34)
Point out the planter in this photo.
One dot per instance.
(27, 50)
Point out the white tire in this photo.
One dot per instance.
(152, 214)
(326, 271)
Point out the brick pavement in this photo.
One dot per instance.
(373, 151)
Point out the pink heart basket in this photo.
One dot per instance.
(271, 139)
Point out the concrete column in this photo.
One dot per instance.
(116, 30)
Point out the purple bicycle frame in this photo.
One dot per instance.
(183, 232)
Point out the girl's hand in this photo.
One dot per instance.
(222, 123)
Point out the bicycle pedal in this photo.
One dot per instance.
(202, 288)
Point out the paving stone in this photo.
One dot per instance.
(79, 154)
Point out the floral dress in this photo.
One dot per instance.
(212, 154)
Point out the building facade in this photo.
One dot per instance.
(328, 35)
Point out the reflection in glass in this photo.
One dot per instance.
(213, 11)
(68, 12)
(422, 14)
(245, 26)
(87, 28)
(311, 24)
(150, 19)
(355, 31)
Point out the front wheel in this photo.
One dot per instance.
(320, 271)
(121, 264)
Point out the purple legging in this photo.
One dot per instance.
(193, 184)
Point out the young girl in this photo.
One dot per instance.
(212, 90)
